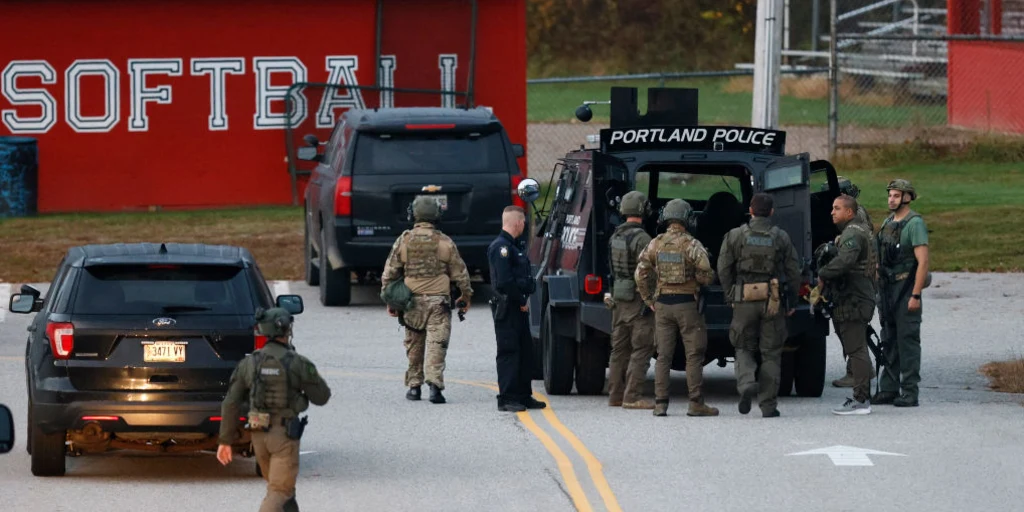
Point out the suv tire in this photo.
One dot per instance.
(335, 285)
(312, 270)
(48, 452)
(559, 358)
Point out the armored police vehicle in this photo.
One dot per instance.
(666, 154)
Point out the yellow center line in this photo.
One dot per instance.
(593, 465)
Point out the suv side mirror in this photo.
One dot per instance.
(518, 150)
(310, 154)
(6, 429)
(24, 303)
(291, 303)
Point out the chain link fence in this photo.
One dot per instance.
(901, 75)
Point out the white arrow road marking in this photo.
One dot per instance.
(5, 298)
(280, 288)
(847, 455)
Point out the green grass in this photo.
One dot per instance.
(720, 104)
(970, 209)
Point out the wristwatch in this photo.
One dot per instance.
(916, 296)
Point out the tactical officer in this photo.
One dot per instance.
(902, 244)
(427, 261)
(850, 276)
(847, 187)
(632, 321)
(752, 260)
(278, 384)
(512, 284)
(681, 264)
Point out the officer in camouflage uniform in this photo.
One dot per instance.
(682, 266)
(428, 261)
(278, 384)
(850, 275)
(902, 244)
(847, 187)
(752, 260)
(632, 321)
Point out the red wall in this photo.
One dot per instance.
(180, 157)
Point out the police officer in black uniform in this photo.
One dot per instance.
(512, 284)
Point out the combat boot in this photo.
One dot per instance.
(883, 397)
(905, 401)
(697, 408)
(661, 407)
(435, 395)
(614, 401)
(748, 394)
(413, 393)
(639, 404)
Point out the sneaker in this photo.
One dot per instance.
(852, 406)
(748, 394)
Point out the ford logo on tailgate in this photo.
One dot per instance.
(163, 322)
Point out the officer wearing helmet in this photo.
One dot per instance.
(278, 384)
(754, 261)
(632, 323)
(427, 262)
(679, 265)
(902, 247)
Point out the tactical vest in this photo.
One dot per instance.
(757, 255)
(271, 386)
(622, 258)
(866, 267)
(892, 257)
(421, 249)
(672, 268)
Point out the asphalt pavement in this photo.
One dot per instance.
(371, 449)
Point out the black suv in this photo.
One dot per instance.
(134, 346)
(376, 163)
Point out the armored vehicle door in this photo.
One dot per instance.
(787, 180)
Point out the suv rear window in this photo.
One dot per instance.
(429, 153)
(162, 289)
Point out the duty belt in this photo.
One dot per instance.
(894, 278)
(676, 298)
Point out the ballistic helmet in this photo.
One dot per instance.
(676, 209)
(635, 203)
(426, 208)
(903, 186)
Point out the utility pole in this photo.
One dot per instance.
(767, 59)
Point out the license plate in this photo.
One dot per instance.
(441, 199)
(164, 351)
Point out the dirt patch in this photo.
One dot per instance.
(809, 88)
(1005, 376)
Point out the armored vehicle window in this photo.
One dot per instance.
(429, 153)
(162, 289)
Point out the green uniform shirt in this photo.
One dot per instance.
(312, 388)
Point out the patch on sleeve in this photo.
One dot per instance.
(850, 243)
(311, 370)
(504, 251)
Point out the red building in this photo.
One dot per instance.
(985, 77)
(181, 104)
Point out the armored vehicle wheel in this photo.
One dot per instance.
(786, 377)
(48, 452)
(809, 366)
(335, 285)
(559, 358)
(593, 359)
(312, 271)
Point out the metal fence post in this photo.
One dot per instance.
(833, 77)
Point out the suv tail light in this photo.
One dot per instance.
(516, 200)
(62, 338)
(343, 196)
(592, 284)
(259, 340)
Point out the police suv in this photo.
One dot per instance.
(666, 154)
